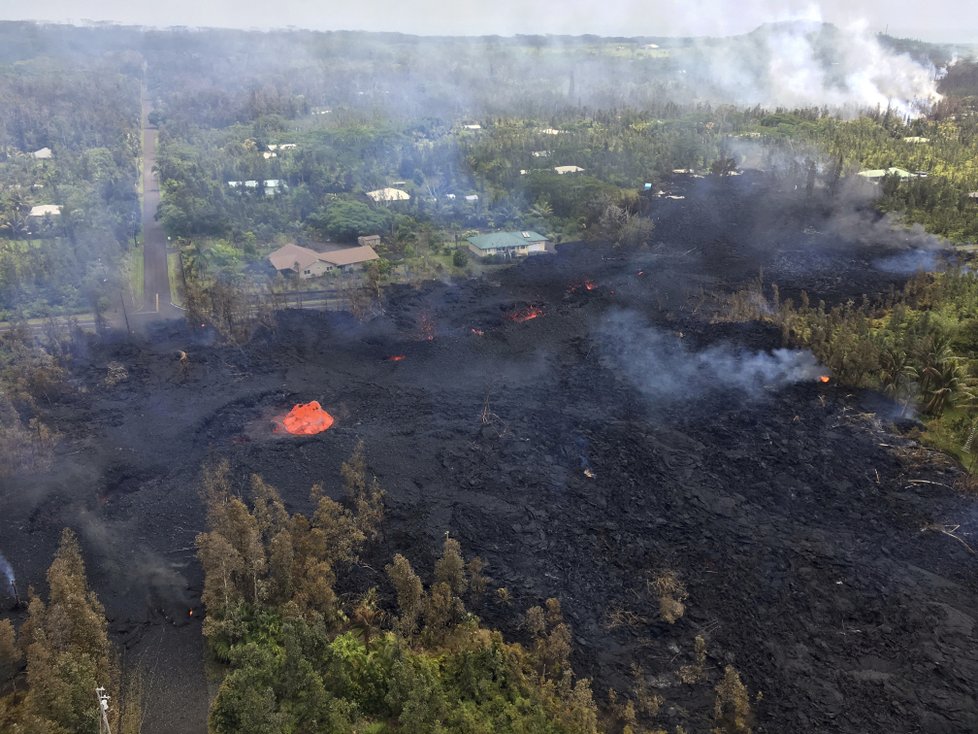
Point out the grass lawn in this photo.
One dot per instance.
(135, 272)
(176, 284)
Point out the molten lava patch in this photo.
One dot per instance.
(525, 314)
(307, 419)
(395, 358)
(824, 378)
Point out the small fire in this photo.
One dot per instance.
(190, 612)
(396, 358)
(306, 419)
(586, 284)
(823, 378)
(477, 332)
(525, 314)
(640, 273)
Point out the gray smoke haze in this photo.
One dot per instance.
(665, 369)
(806, 63)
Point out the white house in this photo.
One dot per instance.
(561, 170)
(388, 194)
(45, 210)
(876, 174)
(272, 185)
(42, 154)
(509, 244)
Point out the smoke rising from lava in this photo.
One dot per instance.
(665, 369)
(8, 573)
(807, 63)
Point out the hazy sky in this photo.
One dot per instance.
(940, 20)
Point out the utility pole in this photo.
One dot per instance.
(103, 708)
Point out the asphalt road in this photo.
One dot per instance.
(156, 279)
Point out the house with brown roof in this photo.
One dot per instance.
(306, 263)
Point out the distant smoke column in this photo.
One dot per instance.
(8, 573)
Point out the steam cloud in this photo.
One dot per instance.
(805, 63)
(661, 365)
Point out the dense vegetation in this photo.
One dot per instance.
(65, 650)
(300, 658)
(85, 113)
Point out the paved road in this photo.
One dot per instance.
(156, 279)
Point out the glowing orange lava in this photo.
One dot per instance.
(396, 358)
(823, 378)
(477, 332)
(525, 314)
(586, 284)
(306, 419)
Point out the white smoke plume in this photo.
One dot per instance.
(7, 571)
(806, 63)
(663, 367)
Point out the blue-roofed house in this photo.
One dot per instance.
(509, 244)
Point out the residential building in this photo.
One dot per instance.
(875, 174)
(45, 210)
(509, 244)
(561, 170)
(388, 194)
(306, 263)
(270, 186)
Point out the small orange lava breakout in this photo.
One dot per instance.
(306, 419)
(824, 378)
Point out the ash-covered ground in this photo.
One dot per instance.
(619, 433)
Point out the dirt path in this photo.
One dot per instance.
(156, 279)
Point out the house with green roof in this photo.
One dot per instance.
(509, 244)
(876, 174)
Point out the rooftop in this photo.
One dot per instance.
(45, 209)
(880, 172)
(293, 257)
(389, 194)
(297, 257)
(498, 240)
